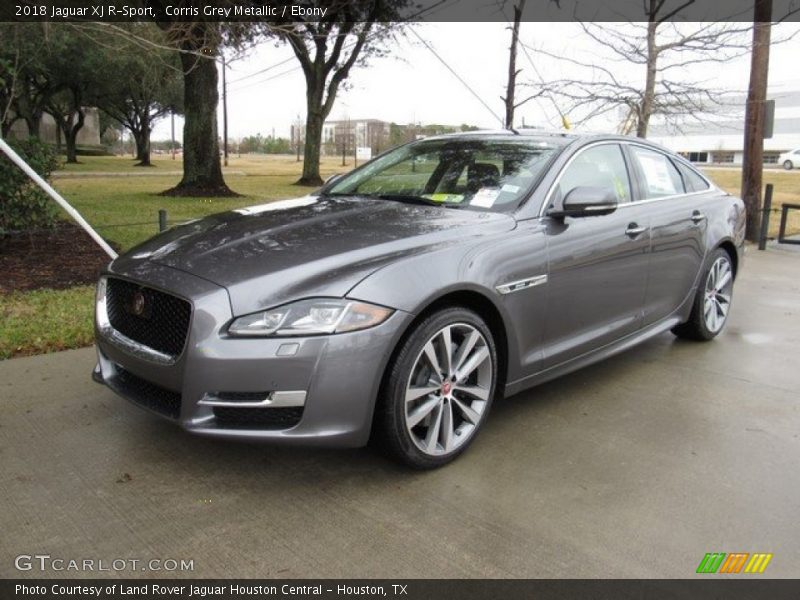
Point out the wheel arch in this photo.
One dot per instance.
(466, 298)
(729, 247)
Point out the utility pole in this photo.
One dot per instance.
(753, 164)
(512, 65)
(224, 112)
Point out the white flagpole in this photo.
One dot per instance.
(17, 160)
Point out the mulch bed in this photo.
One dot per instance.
(61, 258)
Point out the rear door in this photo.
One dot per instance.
(597, 264)
(678, 229)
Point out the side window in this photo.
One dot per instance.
(692, 179)
(661, 178)
(600, 166)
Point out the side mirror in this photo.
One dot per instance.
(586, 201)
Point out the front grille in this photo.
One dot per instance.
(258, 418)
(157, 320)
(149, 395)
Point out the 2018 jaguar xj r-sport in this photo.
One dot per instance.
(401, 299)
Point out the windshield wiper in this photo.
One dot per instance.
(410, 199)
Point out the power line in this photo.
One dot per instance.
(457, 76)
(431, 10)
(265, 70)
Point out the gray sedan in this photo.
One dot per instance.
(401, 299)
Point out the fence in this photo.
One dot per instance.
(784, 235)
(160, 223)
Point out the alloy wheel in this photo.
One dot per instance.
(448, 389)
(717, 301)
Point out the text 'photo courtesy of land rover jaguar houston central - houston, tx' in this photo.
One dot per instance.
(402, 299)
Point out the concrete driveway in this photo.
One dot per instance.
(635, 467)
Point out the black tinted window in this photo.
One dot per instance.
(693, 181)
(661, 178)
(601, 167)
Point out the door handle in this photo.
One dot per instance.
(633, 230)
(698, 217)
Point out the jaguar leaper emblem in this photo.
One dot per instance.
(138, 304)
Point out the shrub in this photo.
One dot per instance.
(23, 205)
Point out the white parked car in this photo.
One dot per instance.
(790, 160)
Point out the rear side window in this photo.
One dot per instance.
(692, 179)
(600, 166)
(661, 178)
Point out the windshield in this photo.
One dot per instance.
(477, 174)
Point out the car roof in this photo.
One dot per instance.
(558, 137)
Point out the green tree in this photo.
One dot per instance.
(74, 70)
(26, 85)
(350, 32)
(141, 88)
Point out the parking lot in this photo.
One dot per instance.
(635, 467)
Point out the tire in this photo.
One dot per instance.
(787, 164)
(712, 301)
(442, 416)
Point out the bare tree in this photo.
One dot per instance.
(350, 32)
(663, 49)
(511, 86)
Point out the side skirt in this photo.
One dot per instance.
(594, 355)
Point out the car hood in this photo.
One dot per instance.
(315, 245)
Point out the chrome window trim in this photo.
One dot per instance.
(557, 180)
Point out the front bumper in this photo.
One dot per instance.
(318, 390)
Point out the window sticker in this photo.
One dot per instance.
(656, 174)
(511, 189)
(485, 197)
(446, 198)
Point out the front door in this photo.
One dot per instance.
(597, 264)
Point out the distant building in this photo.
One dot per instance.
(349, 134)
(89, 135)
(721, 139)
(346, 135)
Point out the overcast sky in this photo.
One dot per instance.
(411, 85)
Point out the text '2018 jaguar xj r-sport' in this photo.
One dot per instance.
(401, 299)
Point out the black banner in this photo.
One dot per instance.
(409, 589)
(286, 11)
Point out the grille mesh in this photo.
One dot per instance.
(149, 395)
(258, 418)
(163, 323)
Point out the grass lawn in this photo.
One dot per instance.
(45, 321)
(125, 211)
(787, 189)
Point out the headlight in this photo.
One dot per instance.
(311, 317)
